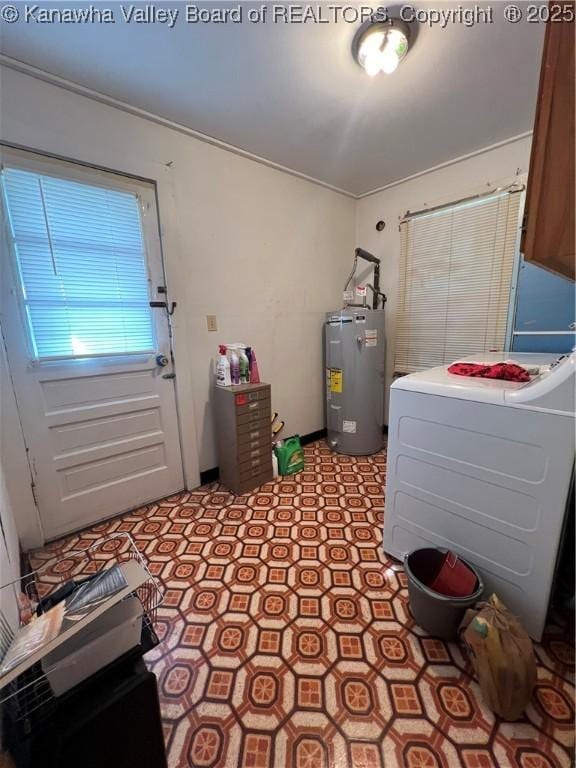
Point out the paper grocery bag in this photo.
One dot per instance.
(503, 657)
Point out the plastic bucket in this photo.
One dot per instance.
(438, 614)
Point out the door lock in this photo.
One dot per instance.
(162, 361)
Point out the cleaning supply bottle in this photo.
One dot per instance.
(244, 364)
(254, 372)
(274, 465)
(234, 364)
(223, 378)
(290, 455)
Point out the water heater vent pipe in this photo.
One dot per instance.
(360, 253)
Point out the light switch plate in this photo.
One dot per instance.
(211, 323)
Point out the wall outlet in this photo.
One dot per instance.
(211, 323)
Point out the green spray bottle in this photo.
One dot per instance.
(244, 364)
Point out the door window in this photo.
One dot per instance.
(81, 263)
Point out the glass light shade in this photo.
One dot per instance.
(381, 49)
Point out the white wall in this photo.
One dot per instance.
(469, 176)
(9, 554)
(18, 499)
(12, 495)
(264, 251)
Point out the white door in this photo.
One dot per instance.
(90, 359)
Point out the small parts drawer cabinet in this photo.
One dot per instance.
(243, 436)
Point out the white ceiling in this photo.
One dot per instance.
(291, 93)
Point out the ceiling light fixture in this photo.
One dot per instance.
(379, 46)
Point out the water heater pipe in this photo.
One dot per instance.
(360, 253)
(351, 275)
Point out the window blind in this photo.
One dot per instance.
(81, 262)
(456, 268)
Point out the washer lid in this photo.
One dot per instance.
(437, 381)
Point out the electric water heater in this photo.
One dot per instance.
(354, 356)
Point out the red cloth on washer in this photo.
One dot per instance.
(467, 369)
(506, 371)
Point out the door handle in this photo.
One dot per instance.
(164, 305)
(168, 375)
(162, 361)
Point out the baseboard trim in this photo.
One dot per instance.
(320, 434)
(212, 475)
(209, 476)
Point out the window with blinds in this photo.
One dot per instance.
(456, 268)
(81, 262)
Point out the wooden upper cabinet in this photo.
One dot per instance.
(548, 231)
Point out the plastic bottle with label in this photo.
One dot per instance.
(234, 364)
(244, 364)
(254, 372)
(223, 377)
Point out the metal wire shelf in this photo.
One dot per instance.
(31, 690)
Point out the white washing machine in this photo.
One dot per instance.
(484, 467)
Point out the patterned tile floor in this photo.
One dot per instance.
(287, 640)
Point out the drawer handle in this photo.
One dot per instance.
(254, 435)
(255, 453)
(255, 472)
(256, 463)
(254, 405)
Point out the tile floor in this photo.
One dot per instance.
(287, 640)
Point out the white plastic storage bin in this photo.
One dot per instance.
(109, 636)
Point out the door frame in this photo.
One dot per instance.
(523, 179)
(159, 176)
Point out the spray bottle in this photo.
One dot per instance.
(254, 372)
(223, 378)
(244, 364)
(234, 364)
(249, 356)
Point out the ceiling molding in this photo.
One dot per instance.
(40, 74)
(447, 164)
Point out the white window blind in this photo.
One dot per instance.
(456, 268)
(82, 266)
